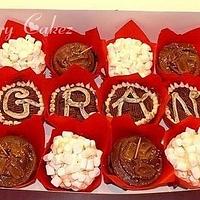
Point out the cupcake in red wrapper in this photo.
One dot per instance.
(97, 130)
(178, 53)
(122, 168)
(72, 48)
(22, 48)
(180, 140)
(72, 95)
(21, 95)
(21, 149)
(130, 52)
(144, 99)
(184, 99)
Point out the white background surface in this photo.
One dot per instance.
(142, 5)
(108, 23)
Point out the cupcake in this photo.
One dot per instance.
(134, 99)
(19, 101)
(71, 96)
(17, 161)
(74, 54)
(20, 50)
(136, 161)
(178, 53)
(128, 56)
(73, 155)
(181, 144)
(184, 101)
(21, 148)
(130, 52)
(72, 48)
(73, 162)
(144, 99)
(75, 100)
(179, 58)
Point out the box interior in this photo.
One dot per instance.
(108, 22)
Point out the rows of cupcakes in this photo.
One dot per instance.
(129, 52)
(131, 157)
(149, 93)
(24, 48)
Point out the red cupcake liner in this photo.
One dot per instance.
(168, 36)
(10, 75)
(123, 127)
(96, 128)
(90, 38)
(132, 30)
(72, 76)
(14, 30)
(34, 136)
(190, 122)
(152, 82)
(185, 78)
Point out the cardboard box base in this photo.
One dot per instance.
(108, 22)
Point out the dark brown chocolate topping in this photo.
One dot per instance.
(76, 96)
(184, 94)
(74, 53)
(19, 108)
(17, 161)
(133, 109)
(136, 161)
(179, 58)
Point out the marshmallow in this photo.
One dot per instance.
(94, 173)
(55, 166)
(179, 152)
(77, 184)
(196, 172)
(179, 142)
(83, 163)
(50, 170)
(193, 159)
(97, 161)
(67, 183)
(56, 181)
(181, 165)
(92, 143)
(61, 171)
(190, 130)
(88, 152)
(128, 56)
(73, 162)
(77, 148)
(22, 53)
(48, 157)
(82, 177)
(90, 165)
(75, 175)
(99, 153)
(67, 134)
(183, 153)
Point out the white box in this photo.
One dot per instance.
(108, 22)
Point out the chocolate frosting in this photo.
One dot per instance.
(184, 102)
(77, 102)
(19, 102)
(19, 108)
(136, 161)
(17, 161)
(74, 53)
(179, 58)
(140, 102)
